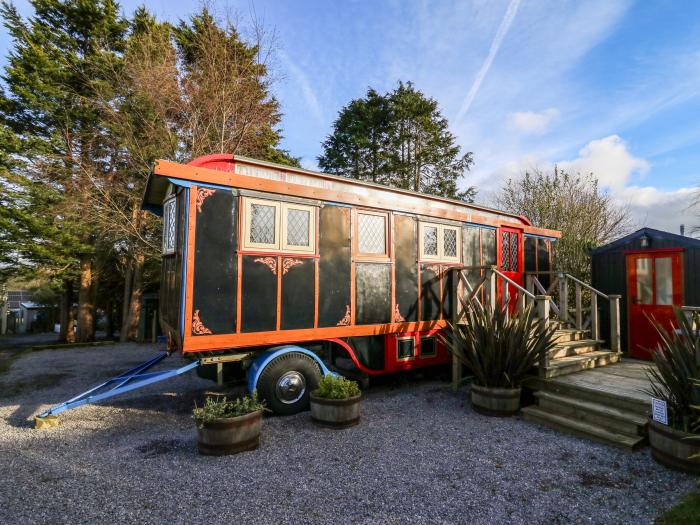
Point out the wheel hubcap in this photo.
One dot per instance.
(291, 387)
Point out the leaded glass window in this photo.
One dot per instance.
(510, 251)
(440, 242)
(514, 252)
(450, 242)
(430, 240)
(262, 224)
(298, 222)
(169, 226)
(505, 251)
(371, 231)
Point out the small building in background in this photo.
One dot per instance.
(653, 271)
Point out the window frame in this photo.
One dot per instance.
(169, 202)
(362, 256)
(440, 257)
(280, 224)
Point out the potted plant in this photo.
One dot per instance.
(228, 427)
(336, 402)
(676, 380)
(500, 350)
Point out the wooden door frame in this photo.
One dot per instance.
(652, 252)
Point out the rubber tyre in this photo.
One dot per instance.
(298, 362)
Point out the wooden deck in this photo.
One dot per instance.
(627, 379)
(608, 404)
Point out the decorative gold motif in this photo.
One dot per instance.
(287, 264)
(398, 318)
(345, 321)
(202, 194)
(198, 327)
(435, 268)
(270, 262)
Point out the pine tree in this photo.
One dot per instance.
(56, 63)
(399, 139)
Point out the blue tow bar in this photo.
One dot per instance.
(130, 380)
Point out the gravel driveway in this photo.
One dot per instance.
(420, 455)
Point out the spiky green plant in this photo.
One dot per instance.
(675, 378)
(499, 349)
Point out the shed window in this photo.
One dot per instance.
(372, 234)
(439, 242)
(169, 226)
(278, 226)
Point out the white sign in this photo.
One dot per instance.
(659, 411)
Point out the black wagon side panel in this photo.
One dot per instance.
(406, 266)
(297, 309)
(430, 292)
(372, 293)
(334, 266)
(214, 287)
(258, 293)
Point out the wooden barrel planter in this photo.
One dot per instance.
(671, 447)
(336, 413)
(229, 435)
(495, 401)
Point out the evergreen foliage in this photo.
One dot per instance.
(399, 139)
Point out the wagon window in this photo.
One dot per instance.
(372, 234)
(169, 226)
(274, 226)
(439, 242)
(298, 228)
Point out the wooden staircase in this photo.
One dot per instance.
(575, 351)
(606, 405)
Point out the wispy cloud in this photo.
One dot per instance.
(303, 81)
(495, 45)
(532, 121)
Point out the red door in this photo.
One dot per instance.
(654, 286)
(510, 261)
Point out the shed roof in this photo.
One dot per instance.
(682, 240)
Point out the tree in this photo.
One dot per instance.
(56, 133)
(573, 204)
(399, 139)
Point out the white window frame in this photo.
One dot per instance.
(171, 202)
(441, 257)
(386, 254)
(280, 245)
(289, 248)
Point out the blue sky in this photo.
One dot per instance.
(609, 86)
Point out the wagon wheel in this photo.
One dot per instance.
(285, 383)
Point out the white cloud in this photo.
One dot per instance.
(532, 121)
(609, 160)
(663, 210)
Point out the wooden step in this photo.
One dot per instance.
(608, 417)
(576, 363)
(581, 428)
(572, 348)
(609, 397)
(564, 335)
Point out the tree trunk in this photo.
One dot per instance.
(134, 315)
(67, 335)
(86, 305)
(128, 278)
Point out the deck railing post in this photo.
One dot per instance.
(563, 298)
(530, 283)
(615, 323)
(456, 315)
(493, 291)
(579, 307)
(595, 329)
(542, 304)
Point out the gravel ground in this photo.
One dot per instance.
(420, 455)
